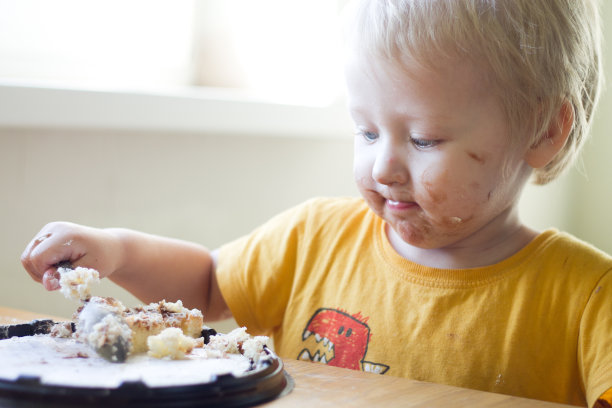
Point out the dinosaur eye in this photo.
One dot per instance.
(348, 332)
(341, 330)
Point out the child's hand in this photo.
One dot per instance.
(66, 242)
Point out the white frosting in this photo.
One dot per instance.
(170, 343)
(60, 361)
(174, 307)
(62, 329)
(108, 330)
(100, 322)
(76, 283)
(253, 348)
(237, 341)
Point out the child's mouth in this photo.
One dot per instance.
(400, 205)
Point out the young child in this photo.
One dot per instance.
(430, 275)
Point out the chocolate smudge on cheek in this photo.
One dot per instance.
(478, 158)
(435, 196)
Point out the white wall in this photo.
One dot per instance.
(579, 202)
(592, 191)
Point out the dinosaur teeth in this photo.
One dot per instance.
(305, 356)
(321, 353)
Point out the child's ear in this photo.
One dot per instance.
(544, 150)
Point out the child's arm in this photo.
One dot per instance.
(155, 268)
(149, 266)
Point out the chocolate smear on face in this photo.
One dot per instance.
(479, 158)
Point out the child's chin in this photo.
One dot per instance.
(424, 237)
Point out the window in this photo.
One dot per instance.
(282, 50)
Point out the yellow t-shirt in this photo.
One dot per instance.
(324, 282)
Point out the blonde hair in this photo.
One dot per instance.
(537, 54)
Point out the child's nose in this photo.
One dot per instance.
(390, 165)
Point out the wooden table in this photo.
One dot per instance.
(319, 386)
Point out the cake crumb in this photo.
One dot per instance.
(61, 330)
(253, 348)
(170, 343)
(229, 343)
(238, 341)
(76, 283)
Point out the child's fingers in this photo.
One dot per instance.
(50, 279)
(43, 253)
(63, 241)
(27, 257)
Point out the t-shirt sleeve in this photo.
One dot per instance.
(255, 272)
(595, 342)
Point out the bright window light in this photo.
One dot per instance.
(293, 55)
(283, 50)
(126, 44)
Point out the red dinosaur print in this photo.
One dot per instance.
(344, 339)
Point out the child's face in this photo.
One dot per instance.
(432, 152)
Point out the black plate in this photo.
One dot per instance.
(260, 385)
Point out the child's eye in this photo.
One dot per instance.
(367, 135)
(423, 143)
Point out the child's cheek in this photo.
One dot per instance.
(432, 193)
(437, 186)
(447, 196)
